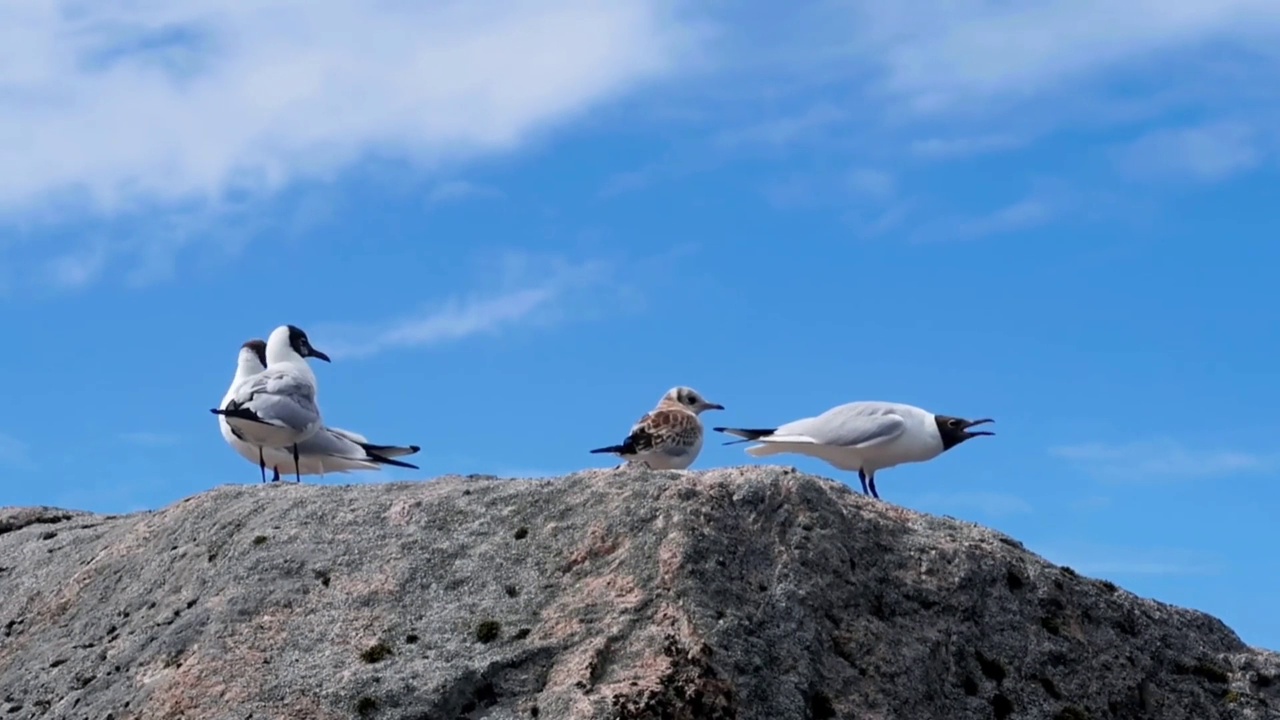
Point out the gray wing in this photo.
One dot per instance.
(332, 443)
(390, 451)
(852, 425)
(352, 436)
(281, 398)
(284, 411)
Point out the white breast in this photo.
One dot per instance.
(917, 443)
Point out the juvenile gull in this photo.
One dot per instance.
(668, 437)
(277, 407)
(864, 436)
(329, 450)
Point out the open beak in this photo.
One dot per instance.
(318, 355)
(971, 423)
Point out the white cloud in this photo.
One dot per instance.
(150, 439)
(142, 250)
(13, 451)
(937, 148)
(1091, 502)
(1106, 560)
(1207, 153)
(1020, 215)
(940, 57)
(992, 504)
(112, 104)
(872, 183)
(79, 267)
(629, 180)
(530, 290)
(859, 187)
(1163, 460)
(452, 191)
(785, 130)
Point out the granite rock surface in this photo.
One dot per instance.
(754, 593)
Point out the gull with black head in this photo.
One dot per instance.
(329, 450)
(865, 436)
(668, 437)
(277, 407)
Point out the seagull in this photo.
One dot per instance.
(865, 436)
(329, 450)
(277, 407)
(668, 437)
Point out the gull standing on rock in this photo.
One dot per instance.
(329, 450)
(864, 436)
(277, 407)
(668, 437)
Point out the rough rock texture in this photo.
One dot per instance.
(739, 593)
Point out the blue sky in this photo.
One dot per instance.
(515, 224)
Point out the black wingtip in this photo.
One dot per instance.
(240, 413)
(751, 433)
(747, 434)
(389, 461)
(369, 448)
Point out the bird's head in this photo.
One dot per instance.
(689, 399)
(954, 430)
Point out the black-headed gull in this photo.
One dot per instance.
(865, 436)
(329, 450)
(277, 407)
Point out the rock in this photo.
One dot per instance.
(745, 593)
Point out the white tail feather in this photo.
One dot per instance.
(776, 444)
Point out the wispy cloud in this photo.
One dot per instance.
(1163, 459)
(79, 267)
(1106, 560)
(630, 180)
(1091, 502)
(138, 251)
(531, 290)
(13, 451)
(938, 148)
(992, 504)
(678, 163)
(785, 130)
(953, 58)
(192, 99)
(872, 183)
(1030, 212)
(1206, 153)
(867, 186)
(1022, 215)
(452, 191)
(150, 439)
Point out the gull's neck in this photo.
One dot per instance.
(669, 404)
(286, 356)
(283, 353)
(247, 366)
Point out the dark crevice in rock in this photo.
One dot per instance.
(691, 689)
(473, 692)
(19, 518)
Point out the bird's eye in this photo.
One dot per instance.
(953, 423)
